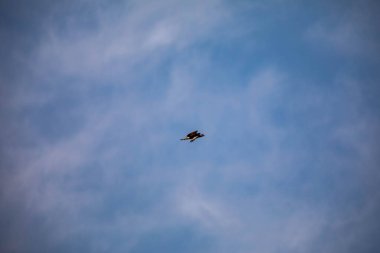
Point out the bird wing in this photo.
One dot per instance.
(192, 134)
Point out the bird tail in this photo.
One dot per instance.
(184, 139)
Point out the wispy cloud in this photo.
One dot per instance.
(350, 31)
(93, 116)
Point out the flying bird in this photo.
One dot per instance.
(193, 136)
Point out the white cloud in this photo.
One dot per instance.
(126, 143)
(208, 212)
(146, 28)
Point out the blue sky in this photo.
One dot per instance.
(95, 96)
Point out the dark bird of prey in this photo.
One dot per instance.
(193, 136)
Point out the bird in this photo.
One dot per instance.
(193, 136)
